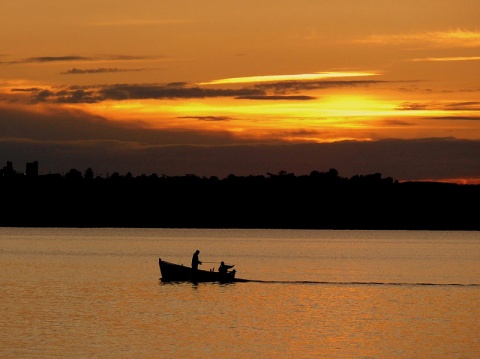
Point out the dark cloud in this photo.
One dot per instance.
(455, 106)
(54, 59)
(90, 94)
(28, 89)
(180, 90)
(464, 106)
(276, 97)
(127, 57)
(64, 139)
(400, 159)
(100, 70)
(72, 94)
(72, 125)
(209, 118)
(455, 118)
(71, 58)
(169, 91)
(285, 87)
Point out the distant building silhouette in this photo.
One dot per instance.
(7, 170)
(31, 169)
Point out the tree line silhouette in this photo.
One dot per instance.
(320, 200)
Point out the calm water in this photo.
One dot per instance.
(95, 293)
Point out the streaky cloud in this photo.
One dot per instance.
(29, 89)
(119, 92)
(446, 59)
(412, 106)
(126, 57)
(276, 91)
(177, 90)
(455, 38)
(276, 98)
(73, 58)
(455, 106)
(72, 94)
(125, 91)
(58, 124)
(86, 94)
(209, 118)
(43, 59)
(284, 87)
(455, 118)
(100, 70)
(465, 105)
(293, 77)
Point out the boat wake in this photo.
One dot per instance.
(366, 283)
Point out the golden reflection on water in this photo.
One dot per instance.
(96, 302)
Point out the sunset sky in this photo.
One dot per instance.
(214, 88)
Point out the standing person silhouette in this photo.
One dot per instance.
(195, 263)
(195, 260)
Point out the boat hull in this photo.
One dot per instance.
(171, 272)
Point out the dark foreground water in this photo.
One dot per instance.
(96, 293)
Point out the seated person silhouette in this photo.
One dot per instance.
(223, 269)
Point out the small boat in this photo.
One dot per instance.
(171, 272)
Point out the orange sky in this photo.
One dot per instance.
(249, 87)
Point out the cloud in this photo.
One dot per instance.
(57, 59)
(276, 98)
(100, 70)
(44, 59)
(453, 106)
(170, 91)
(209, 118)
(451, 38)
(62, 138)
(464, 106)
(43, 123)
(92, 94)
(292, 77)
(400, 159)
(456, 118)
(446, 59)
(180, 90)
(28, 89)
(126, 57)
(412, 106)
(74, 58)
(298, 86)
(72, 94)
